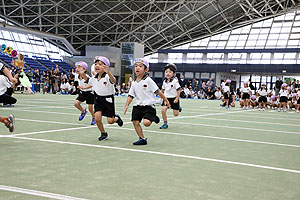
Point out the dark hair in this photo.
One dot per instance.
(171, 66)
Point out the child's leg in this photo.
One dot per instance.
(147, 122)
(164, 113)
(138, 128)
(259, 105)
(77, 105)
(112, 120)
(175, 113)
(91, 109)
(98, 117)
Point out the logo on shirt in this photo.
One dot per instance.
(105, 83)
(145, 86)
(172, 86)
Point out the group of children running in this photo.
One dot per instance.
(262, 98)
(98, 92)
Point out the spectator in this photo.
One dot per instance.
(65, 87)
(186, 90)
(218, 93)
(278, 84)
(191, 93)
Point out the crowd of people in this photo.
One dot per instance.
(284, 96)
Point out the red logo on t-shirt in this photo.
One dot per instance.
(172, 86)
(105, 83)
(145, 85)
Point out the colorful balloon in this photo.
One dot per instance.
(14, 53)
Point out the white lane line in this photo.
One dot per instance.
(166, 154)
(38, 193)
(271, 118)
(209, 114)
(48, 131)
(254, 122)
(235, 127)
(211, 137)
(51, 122)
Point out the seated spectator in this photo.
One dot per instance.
(124, 88)
(191, 93)
(210, 94)
(201, 94)
(218, 93)
(73, 90)
(186, 90)
(65, 87)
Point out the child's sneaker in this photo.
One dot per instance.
(93, 121)
(279, 110)
(180, 108)
(156, 120)
(284, 110)
(83, 113)
(164, 126)
(104, 136)
(263, 109)
(222, 105)
(11, 123)
(227, 107)
(258, 109)
(297, 111)
(141, 141)
(119, 121)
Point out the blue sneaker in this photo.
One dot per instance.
(83, 113)
(93, 121)
(227, 107)
(222, 105)
(119, 121)
(141, 141)
(164, 126)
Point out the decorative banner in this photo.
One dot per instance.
(18, 58)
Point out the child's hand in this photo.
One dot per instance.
(106, 68)
(79, 87)
(125, 109)
(175, 100)
(168, 103)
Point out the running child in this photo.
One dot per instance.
(245, 91)
(262, 100)
(104, 90)
(171, 89)
(84, 94)
(143, 89)
(283, 93)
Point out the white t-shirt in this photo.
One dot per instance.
(65, 86)
(4, 84)
(170, 88)
(226, 89)
(218, 94)
(262, 92)
(103, 86)
(222, 85)
(283, 93)
(143, 91)
(82, 82)
(245, 90)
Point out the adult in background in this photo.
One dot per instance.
(278, 84)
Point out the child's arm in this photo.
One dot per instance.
(85, 87)
(129, 100)
(178, 95)
(111, 77)
(83, 75)
(164, 98)
(8, 74)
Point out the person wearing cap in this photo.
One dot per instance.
(262, 100)
(104, 90)
(246, 92)
(226, 94)
(143, 90)
(283, 94)
(293, 102)
(85, 95)
(171, 89)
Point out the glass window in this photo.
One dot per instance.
(6, 35)
(158, 74)
(189, 75)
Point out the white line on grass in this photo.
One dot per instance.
(51, 122)
(235, 127)
(38, 193)
(211, 137)
(255, 122)
(165, 154)
(271, 118)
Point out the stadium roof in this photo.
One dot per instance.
(157, 24)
